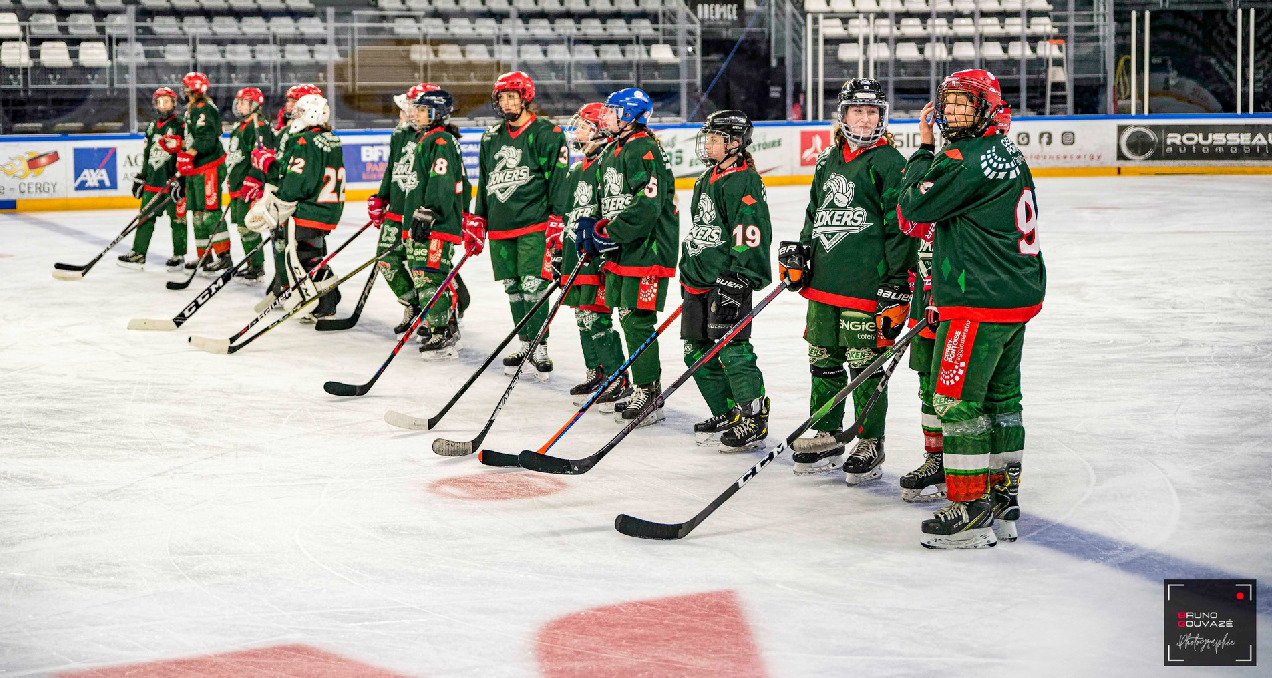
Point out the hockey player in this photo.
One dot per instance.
(602, 348)
(385, 208)
(723, 259)
(522, 164)
(931, 473)
(854, 267)
(158, 165)
(202, 162)
(246, 183)
(990, 281)
(307, 201)
(436, 205)
(637, 233)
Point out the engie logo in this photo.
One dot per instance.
(96, 169)
(811, 143)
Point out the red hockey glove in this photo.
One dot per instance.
(474, 234)
(252, 190)
(914, 229)
(170, 143)
(555, 232)
(262, 158)
(185, 164)
(377, 208)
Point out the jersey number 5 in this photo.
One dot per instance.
(1026, 223)
(333, 185)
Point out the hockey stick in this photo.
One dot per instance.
(208, 292)
(228, 345)
(452, 448)
(72, 272)
(221, 345)
(406, 421)
(548, 464)
(646, 529)
(338, 388)
(493, 458)
(207, 251)
(333, 325)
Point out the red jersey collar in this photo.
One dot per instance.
(516, 132)
(716, 173)
(850, 154)
(620, 143)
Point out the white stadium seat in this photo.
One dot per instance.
(208, 54)
(421, 54)
(81, 24)
(267, 53)
(1017, 49)
(15, 55)
(532, 54)
(296, 53)
(55, 54)
(93, 54)
(993, 50)
(848, 52)
(662, 53)
(964, 51)
(42, 24)
(908, 51)
(936, 52)
(238, 53)
(9, 27)
(450, 53)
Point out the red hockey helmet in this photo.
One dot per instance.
(195, 82)
(582, 130)
(163, 92)
(974, 96)
(298, 91)
(516, 81)
(1002, 119)
(251, 94)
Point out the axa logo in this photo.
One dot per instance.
(96, 169)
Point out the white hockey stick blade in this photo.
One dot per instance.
(157, 324)
(67, 275)
(452, 448)
(264, 303)
(211, 345)
(406, 421)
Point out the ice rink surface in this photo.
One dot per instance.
(165, 511)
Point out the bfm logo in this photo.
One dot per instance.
(95, 169)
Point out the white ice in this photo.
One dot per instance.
(160, 503)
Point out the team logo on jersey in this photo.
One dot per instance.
(614, 200)
(583, 194)
(837, 219)
(705, 233)
(235, 156)
(158, 156)
(508, 175)
(997, 166)
(404, 169)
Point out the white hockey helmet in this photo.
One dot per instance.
(311, 111)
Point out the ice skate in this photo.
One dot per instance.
(961, 525)
(513, 360)
(928, 476)
(707, 431)
(442, 344)
(134, 261)
(619, 390)
(809, 463)
(748, 427)
(175, 262)
(541, 362)
(217, 264)
(1006, 496)
(641, 397)
(252, 274)
(581, 392)
(408, 316)
(862, 465)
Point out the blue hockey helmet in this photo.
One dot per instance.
(631, 105)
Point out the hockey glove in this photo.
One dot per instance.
(725, 301)
(177, 191)
(600, 241)
(252, 190)
(171, 143)
(185, 164)
(422, 224)
(139, 187)
(262, 158)
(794, 263)
(474, 234)
(892, 305)
(914, 230)
(377, 208)
(268, 213)
(555, 232)
(555, 259)
(583, 229)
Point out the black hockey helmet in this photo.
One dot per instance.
(863, 92)
(733, 126)
(438, 102)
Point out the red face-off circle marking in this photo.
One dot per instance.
(496, 486)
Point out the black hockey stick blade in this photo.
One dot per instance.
(546, 463)
(645, 529)
(339, 324)
(499, 459)
(337, 388)
(68, 267)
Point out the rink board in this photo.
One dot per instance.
(65, 172)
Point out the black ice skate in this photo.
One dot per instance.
(133, 260)
(218, 264)
(175, 262)
(541, 362)
(408, 316)
(862, 465)
(326, 308)
(1006, 497)
(931, 474)
(749, 427)
(441, 344)
(619, 391)
(809, 463)
(583, 391)
(513, 360)
(707, 431)
(961, 525)
(642, 397)
(253, 273)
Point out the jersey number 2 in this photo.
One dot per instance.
(333, 185)
(1026, 223)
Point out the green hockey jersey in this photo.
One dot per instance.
(243, 140)
(986, 260)
(731, 230)
(399, 173)
(439, 184)
(519, 176)
(580, 183)
(851, 225)
(203, 133)
(638, 197)
(313, 175)
(158, 165)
